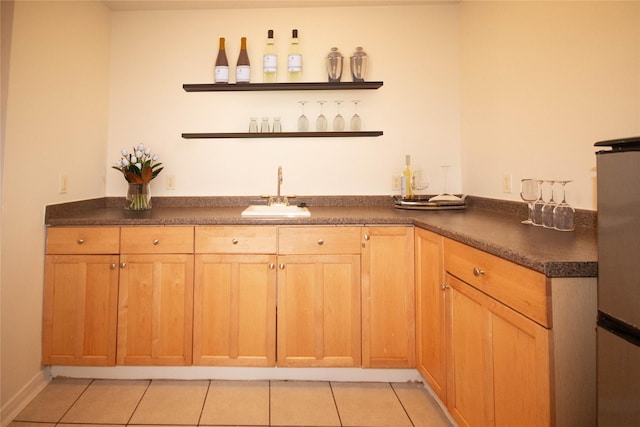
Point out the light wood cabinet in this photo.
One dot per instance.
(431, 298)
(319, 296)
(155, 312)
(235, 296)
(499, 363)
(80, 296)
(388, 297)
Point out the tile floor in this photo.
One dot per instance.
(75, 402)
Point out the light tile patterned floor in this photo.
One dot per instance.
(78, 403)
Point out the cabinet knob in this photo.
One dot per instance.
(155, 242)
(320, 242)
(123, 264)
(281, 266)
(113, 266)
(80, 241)
(272, 266)
(367, 237)
(444, 287)
(234, 241)
(477, 271)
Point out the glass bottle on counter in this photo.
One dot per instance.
(221, 72)
(270, 60)
(243, 68)
(294, 59)
(406, 180)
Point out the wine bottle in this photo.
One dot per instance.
(294, 59)
(243, 68)
(221, 72)
(407, 180)
(270, 60)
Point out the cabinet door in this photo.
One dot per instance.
(388, 299)
(500, 365)
(319, 310)
(431, 351)
(80, 309)
(155, 310)
(234, 310)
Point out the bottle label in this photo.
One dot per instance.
(243, 73)
(221, 74)
(270, 63)
(294, 63)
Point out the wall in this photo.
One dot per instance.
(413, 49)
(56, 123)
(541, 82)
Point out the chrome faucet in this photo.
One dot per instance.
(278, 199)
(279, 181)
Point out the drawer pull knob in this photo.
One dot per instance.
(444, 287)
(366, 237)
(155, 242)
(272, 266)
(234, 241)
(281, 266)
(113, 266)
(477, 271)
(320, 242)
(123, 264)
(80, 241)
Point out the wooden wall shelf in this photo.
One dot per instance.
(345, 134)
(234, 87)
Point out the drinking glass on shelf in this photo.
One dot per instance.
(563, 213)
(253, 125)
(547, 209)
(264, 126)
(538, 205)
(338, 120)
(529, 193)
(277, 125)
(321, 121)
(356, 121)
(303, 121)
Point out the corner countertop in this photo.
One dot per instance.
(486, 224)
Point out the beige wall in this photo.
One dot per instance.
(541, 82)
(56, 122)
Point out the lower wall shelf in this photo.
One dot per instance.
(350, 134)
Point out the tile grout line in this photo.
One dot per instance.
(335, 403)
(401, 404)
(74, 402)
(204, 402)
(139, 402)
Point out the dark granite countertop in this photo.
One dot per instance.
(487, 224)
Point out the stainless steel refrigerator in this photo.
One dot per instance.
(618, 324)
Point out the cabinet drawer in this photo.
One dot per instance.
(156, 240)
(524, 290)
(83, 240)
(236, 240)
(319, 240)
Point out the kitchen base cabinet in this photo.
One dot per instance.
(431, 352)
(388, 299)
(80, 296)
(234, 310)
(500, 364)
(80, 308)
(319, 310)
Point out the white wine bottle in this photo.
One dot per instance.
(221, 71)
(407, 180)
(270, 60)
(243, 68)
(294, 59)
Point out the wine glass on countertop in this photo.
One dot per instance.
(563, 213)
(547, 209)
(529, 192)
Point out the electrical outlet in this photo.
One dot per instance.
(171, 182)
(506, 183)
(63, 184)
(395, 183)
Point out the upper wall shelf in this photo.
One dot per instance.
(234, 87)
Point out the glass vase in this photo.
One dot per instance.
(138, 197)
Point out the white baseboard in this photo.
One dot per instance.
(237, 373)
(26, 394)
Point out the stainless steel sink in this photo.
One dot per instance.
(276, 211)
